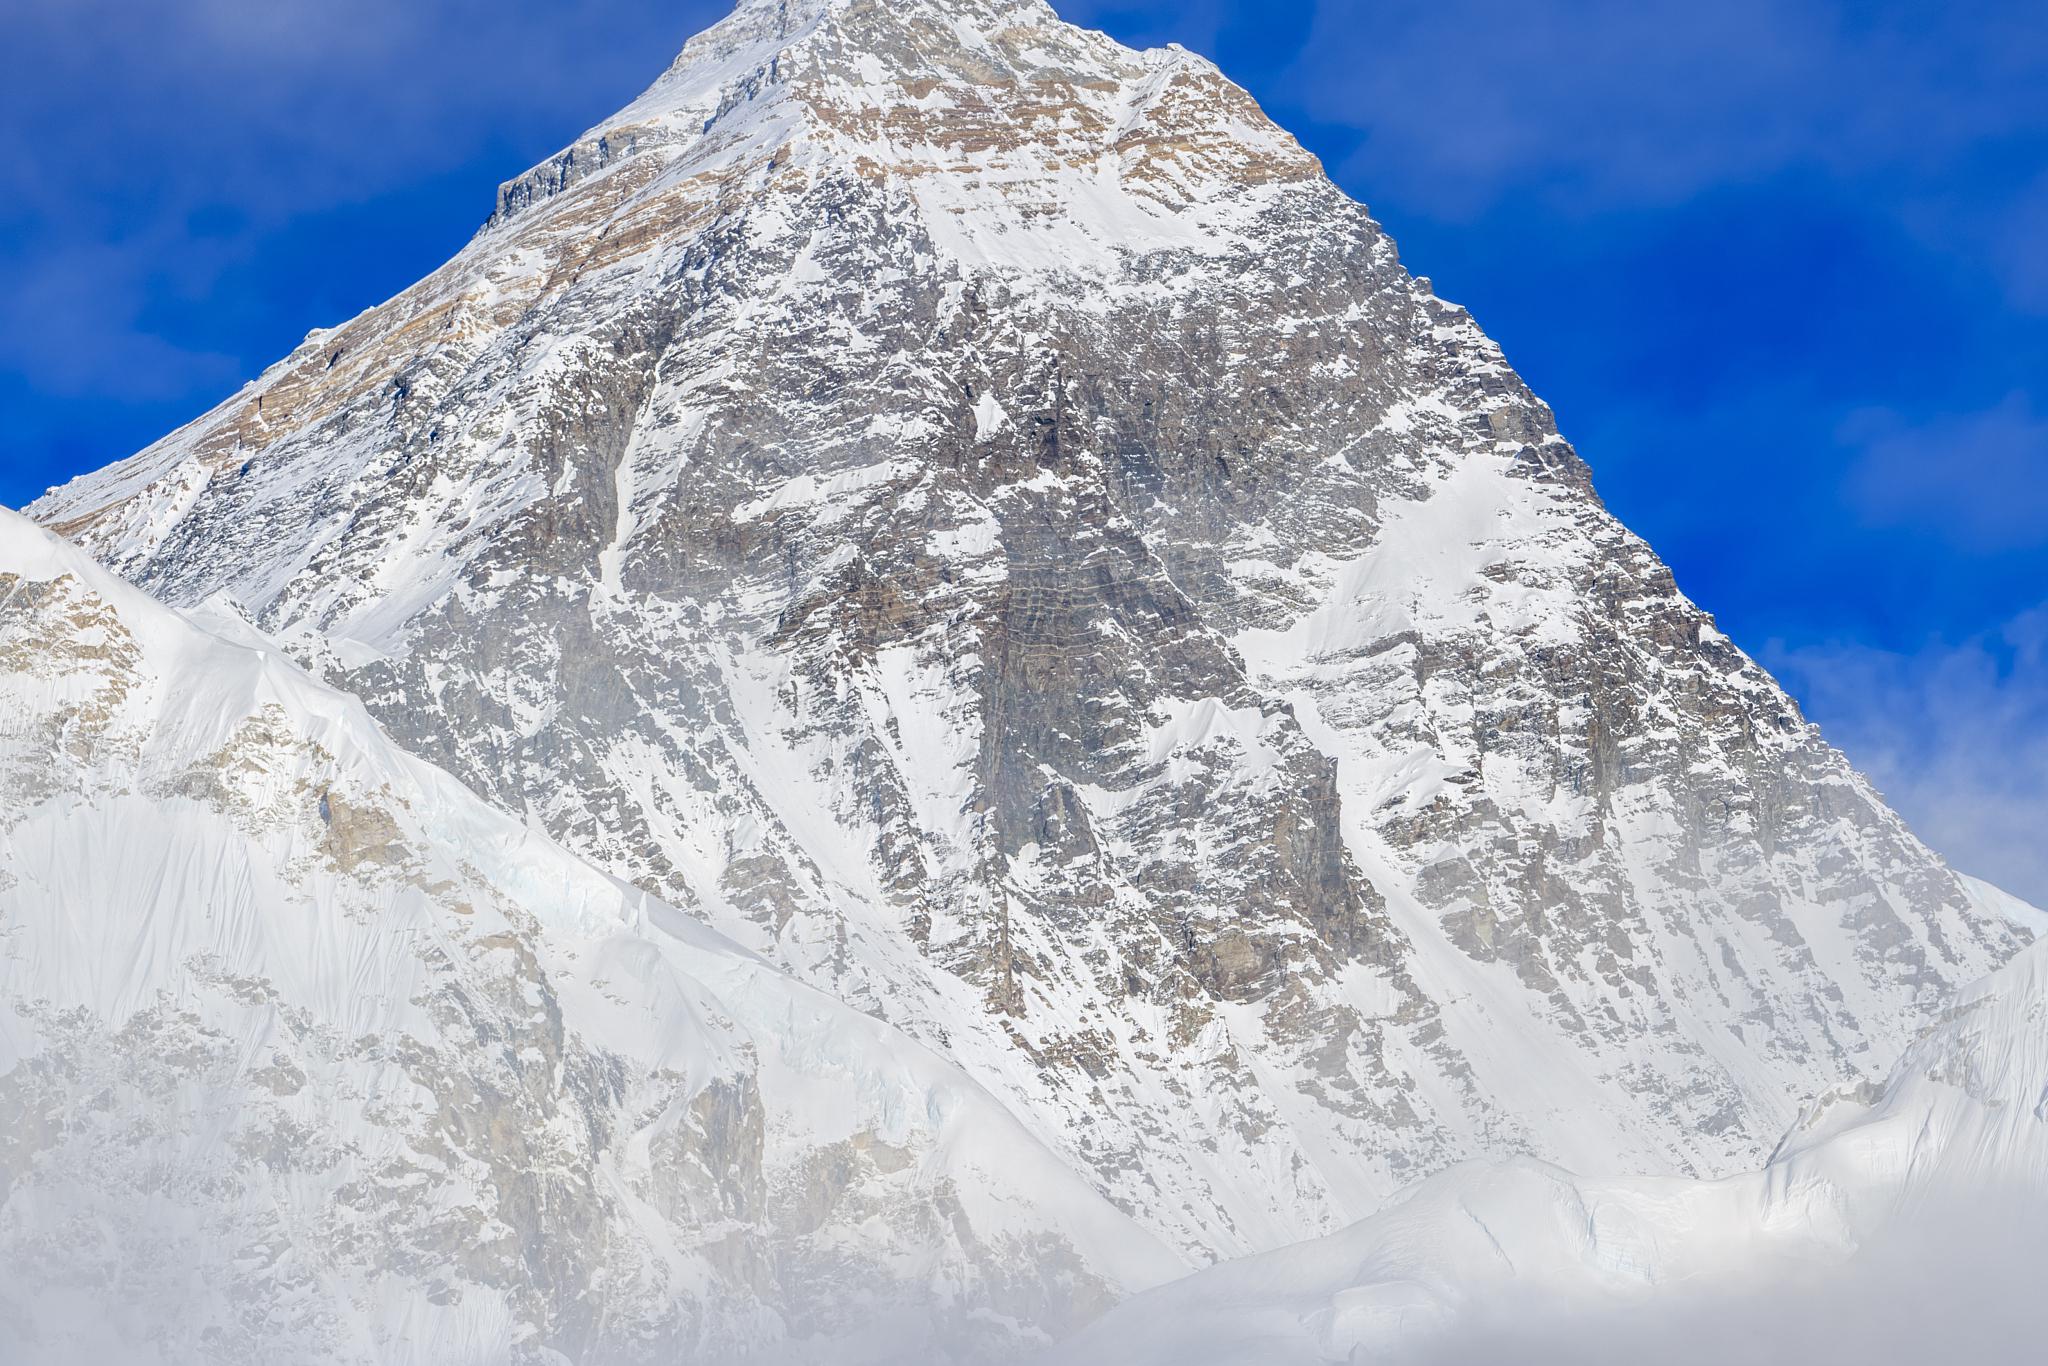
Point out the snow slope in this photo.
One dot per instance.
(1963, 1119)
(308, 1054)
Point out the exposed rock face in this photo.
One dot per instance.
(309, 1055)
(971, 511)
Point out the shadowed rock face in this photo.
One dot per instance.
(972, 511)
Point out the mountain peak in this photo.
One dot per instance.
(971, 511)
(963, 91)
(911, 35)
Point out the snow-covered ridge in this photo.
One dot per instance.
(1965, 1112)
(308, 1054)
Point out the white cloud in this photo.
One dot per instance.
(1956, 736)
(1978, 481)
(1957, 1283)
(1615, 102)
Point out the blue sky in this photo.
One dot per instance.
(1781, 268)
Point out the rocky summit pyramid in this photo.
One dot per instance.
(973, 513)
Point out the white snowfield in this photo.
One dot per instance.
(1962, 1120)
(308, 1054)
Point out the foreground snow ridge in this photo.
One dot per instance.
(308, 1054)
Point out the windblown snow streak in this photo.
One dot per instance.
(971, 512)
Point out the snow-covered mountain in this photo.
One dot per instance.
(307, 1054)
(1962, 1119)
(971, 512)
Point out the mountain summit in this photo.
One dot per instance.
(971, 512)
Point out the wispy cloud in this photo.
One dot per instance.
(1603, 106)
(1955, 734)
(76, 326)
(1978, 482)
(2019, 250)
(1618, 102)
(1954, 1284)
